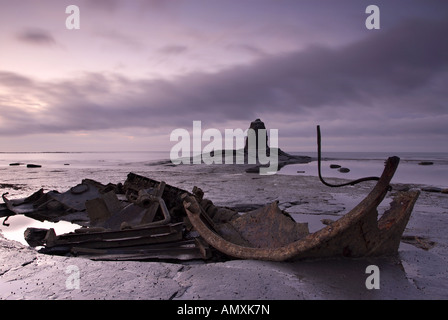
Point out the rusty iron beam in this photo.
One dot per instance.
(356, 234)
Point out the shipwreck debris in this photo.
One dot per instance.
(333, 166)
(145, 219)
(357, 234)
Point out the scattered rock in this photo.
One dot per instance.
(426, 163)
(33, 165)
(253, 170)
(334, 166)
(344, 170)
(15, 164)
(327, 221)
(419, 242)
(401, 187)
(11, 186)
(35, 236)
(79, 189)
(432, 189)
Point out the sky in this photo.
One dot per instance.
(137, 70)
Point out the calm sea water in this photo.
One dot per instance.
(60, 171)
(63, 170)
(366, 164)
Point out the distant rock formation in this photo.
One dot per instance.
(426, 163)
(252, 157)
(33, 165)
(256, 125)
(283, 157)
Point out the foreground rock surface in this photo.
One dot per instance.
(26, 274)
(414, 274)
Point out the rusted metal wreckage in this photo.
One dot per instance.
(144, 219)
(359, 233)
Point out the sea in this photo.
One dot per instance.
(63, 170)
(422, 168)
(60, 170)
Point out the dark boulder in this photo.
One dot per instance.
(256, 125)
(426, 163)
(33, 165)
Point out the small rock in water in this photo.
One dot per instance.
(15, 164)
(33, 166)
(344, 170)
(334, 166)
(327, 221)
(432, 189)
(426, 163)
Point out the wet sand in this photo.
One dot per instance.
(415, 273)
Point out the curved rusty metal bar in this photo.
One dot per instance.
(319, 171)
(355, 234)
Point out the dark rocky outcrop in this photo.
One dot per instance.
(426, 163)
(33, 165)
(283, 158)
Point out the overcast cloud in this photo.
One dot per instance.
(379, 89)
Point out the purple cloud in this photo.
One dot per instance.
(383, 79)
(36, 37)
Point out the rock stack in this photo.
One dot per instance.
(256, 125)
(283, 157)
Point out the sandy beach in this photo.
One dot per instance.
(415, 273)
